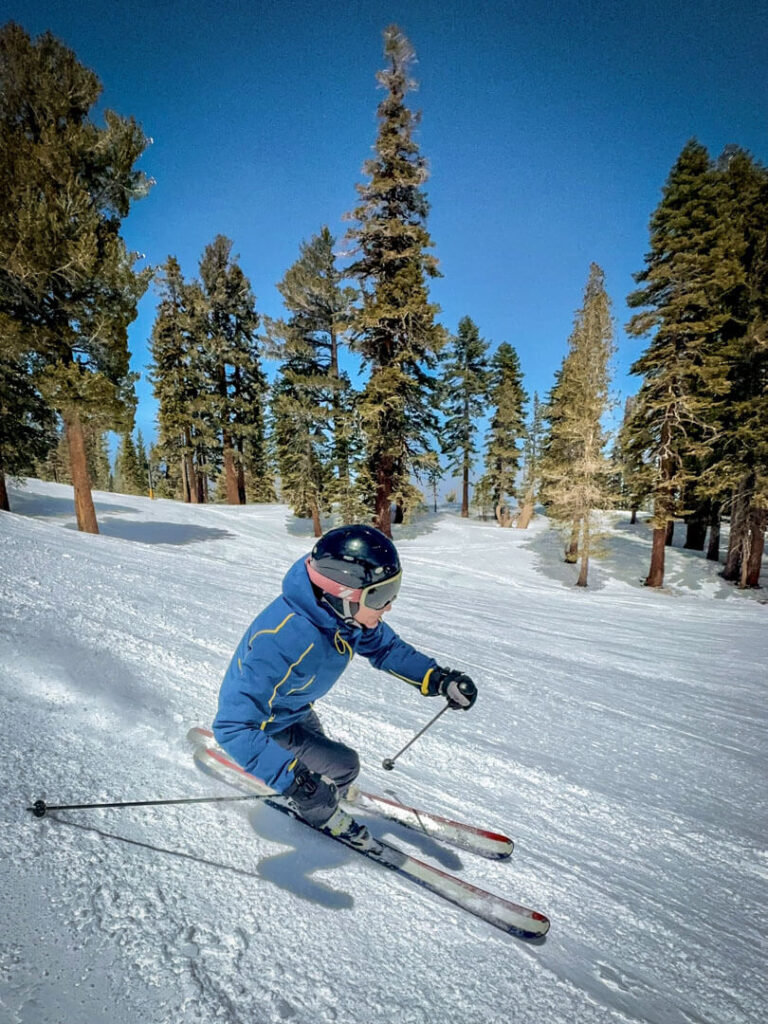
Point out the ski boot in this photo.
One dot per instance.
(343, 826)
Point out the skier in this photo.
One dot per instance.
(294, 651)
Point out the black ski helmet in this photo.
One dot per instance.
(354, 565)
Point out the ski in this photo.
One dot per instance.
(471, 838)
(521, 922)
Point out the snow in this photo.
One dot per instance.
(619, 737)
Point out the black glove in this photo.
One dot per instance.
(459, 689)
(313, 797)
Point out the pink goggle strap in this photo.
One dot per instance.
(332, 587)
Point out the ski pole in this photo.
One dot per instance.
(389, 762)
(40, 807)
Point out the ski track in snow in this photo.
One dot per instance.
(620, 738)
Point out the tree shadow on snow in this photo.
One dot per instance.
(40, 506)
(177, 534)
(626, 557)
(685, 569)
(548, 547)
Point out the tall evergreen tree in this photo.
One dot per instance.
(534, 440)
(313, 388)
(690, 270)
(631, 472)
(232, 359)
(97, 458)
(177, 381)
(507, 429)
(68, 290)
(737, 475)
(430, 469)
(56, 465)
(129, 473)
(396, 330)
(575, 469)
(301, 439)
(465, 384)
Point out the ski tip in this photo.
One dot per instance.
(536, 934)
(504, 852)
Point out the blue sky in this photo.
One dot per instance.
(549, 128)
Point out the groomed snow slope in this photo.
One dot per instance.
(620, 737)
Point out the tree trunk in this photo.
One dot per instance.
(655, 576)
(316, 524)
(572, 548)
(503, 515)
(230, 473)
(190, 477)
(526, 512)
(669, 533)
(754, 560)
(382, 513)
(713, 550)
(84, 510)
(184, 480)
(696, 533)
(633, 517)
(4, 503)
(465, 492)
(241, 474)
(582, 580)
(739, 528)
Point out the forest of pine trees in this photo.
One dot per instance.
(433, 405)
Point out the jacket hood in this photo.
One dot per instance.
(298, 592)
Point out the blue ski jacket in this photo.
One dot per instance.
(291, 655)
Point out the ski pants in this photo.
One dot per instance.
(308, 742)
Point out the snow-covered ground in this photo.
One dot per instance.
(619, 737)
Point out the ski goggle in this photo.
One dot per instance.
(375, 595)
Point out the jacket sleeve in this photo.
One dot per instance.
(245, 708)
(385, 650)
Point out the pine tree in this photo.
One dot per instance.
(534, 442)
(301, 440)
(55, 467)
(482, 500)
(177, 382)
(507, 429)
(737, 474)
(689, 271)
(129, 473)
(68, 290)
(430, 469)
(27, 427)
(396, 330)
(231, 362)
(632, 476)
(166, 474)
(97, 458)
(465, 384)
(575, 469)
(313, 388)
